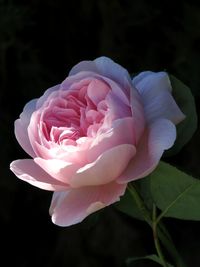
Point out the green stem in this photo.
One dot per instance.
(168, 244)
(140, 203)
(162, 233)
(156, 240)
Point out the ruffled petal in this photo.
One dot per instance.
(21, 126)
(105, 67)
(28, 171)
(155, 90)
(112, 137)
(105, 169)
(117, 109)
(46, 95)
(160, 136)
(71, 207)
(97, 91)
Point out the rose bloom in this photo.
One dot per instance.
(93, 133)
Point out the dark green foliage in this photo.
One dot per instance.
(175, 193)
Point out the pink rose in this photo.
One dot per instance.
(93, 133)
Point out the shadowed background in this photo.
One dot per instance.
(39, 42)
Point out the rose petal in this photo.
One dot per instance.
(21, 126)
(111, 136)
(59, 169)
(97, 90)
(163, 106)
(71, 207)
(46, 95)
(76, 80)
(28, 171)
(161, 136)
(118, 91)
(33, 131)
(105, 169)
(155, 90)
(106, 67)
(137, 114)
(156, 81)
(117, 109)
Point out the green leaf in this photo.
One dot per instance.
(131, 262)
(175, 193)
(128, 205)
(187, 127)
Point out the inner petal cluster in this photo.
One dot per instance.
(75, 113)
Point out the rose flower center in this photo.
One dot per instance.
(73, 114)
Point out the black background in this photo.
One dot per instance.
(39, 43)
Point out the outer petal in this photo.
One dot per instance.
(105, 169)
(21, 126)
(46, 95)
(33, 133)
(155, 90)
(59, 169)
(68, 208)
(137, 113)
(106, 67)
(161, 136)
(27, 170)
(157, 81)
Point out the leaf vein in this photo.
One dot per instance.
(175, 200)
